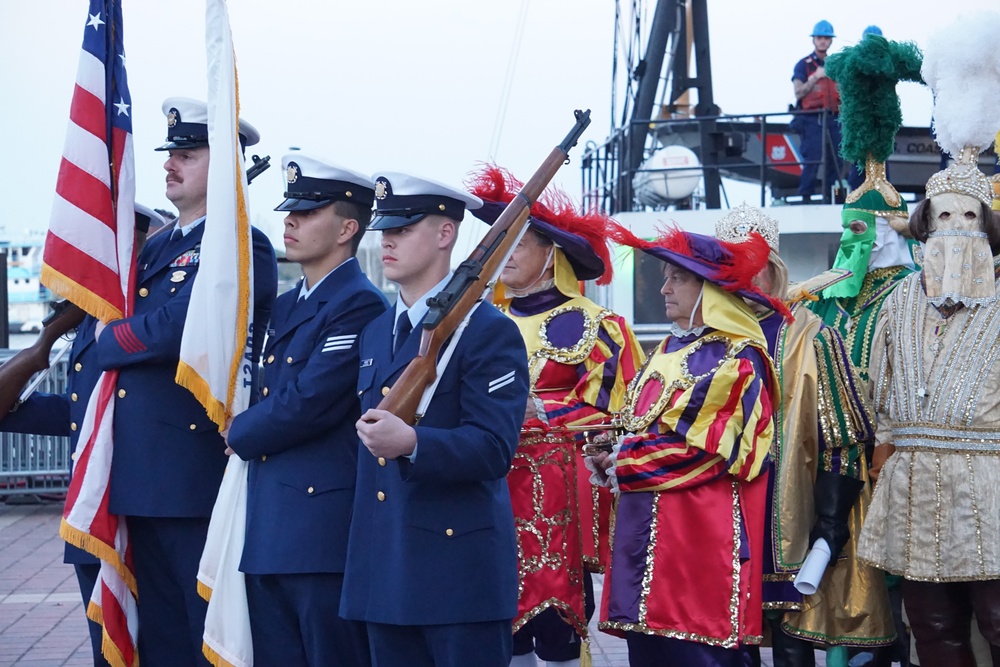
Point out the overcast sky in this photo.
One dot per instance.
(396, 85)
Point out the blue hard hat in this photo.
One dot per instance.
(823, 29)
(872, 30)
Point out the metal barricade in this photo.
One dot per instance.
(35, 464)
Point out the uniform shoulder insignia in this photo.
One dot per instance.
(501, 381)
(339, 343)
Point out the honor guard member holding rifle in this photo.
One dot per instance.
(300, 438)
(62, 414)
(581, 359)
(168, 455)
(432, 557)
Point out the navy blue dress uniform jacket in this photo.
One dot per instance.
(300, 438)
(169, 456)
(432, 541)
(62, 414)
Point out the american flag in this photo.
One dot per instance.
(89, 259)
(88, 254)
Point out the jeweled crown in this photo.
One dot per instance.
(963, 177)
(735, 226)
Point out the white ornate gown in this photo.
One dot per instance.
(935, 515)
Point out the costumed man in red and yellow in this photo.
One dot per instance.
(581, 358)
(684, 582)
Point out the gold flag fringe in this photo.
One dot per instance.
(189, 378)
(72, 291)
(96, 547)
(204, 590)
(214, 657)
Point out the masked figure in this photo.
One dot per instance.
(935, 516)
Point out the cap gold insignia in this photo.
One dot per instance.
(172, 118)
(292, 173)
(178, 276)
(380, 189)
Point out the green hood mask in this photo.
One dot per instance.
(870, 116)
(856, 249)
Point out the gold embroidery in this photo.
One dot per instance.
(647, 575)
(673, 365)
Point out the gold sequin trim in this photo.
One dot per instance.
(572, 355)
(647, 576)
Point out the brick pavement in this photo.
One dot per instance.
(41, 615)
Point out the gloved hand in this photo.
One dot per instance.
(602, 468)
(835, 495)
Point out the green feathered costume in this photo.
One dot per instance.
(870, 116)
(851, 607)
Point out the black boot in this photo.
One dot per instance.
(789, 651)
(940, 618)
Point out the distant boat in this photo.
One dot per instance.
(27, 299)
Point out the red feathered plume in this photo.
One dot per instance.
(555, 207)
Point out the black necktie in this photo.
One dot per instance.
(176, 233)
(403, 328)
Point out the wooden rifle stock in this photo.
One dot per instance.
(19, 369)
(471, 279)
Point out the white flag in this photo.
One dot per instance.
(216, 339)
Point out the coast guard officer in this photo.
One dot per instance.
(169, 456)
(300, 438)
(432, 558)
(62, 415)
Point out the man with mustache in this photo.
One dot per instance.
(168, 455)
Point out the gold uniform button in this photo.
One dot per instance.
(78, 367)
(449, 532)
(173, 289)
(193, 427)
(143, 292)
(265, 391)
(385, 391)
(73, 456)
(72, 426)
(73, 397)
(263, 457)
(310, 489)
(270, 359)
(380, 496)
(381, 461)
(121, 393)
(289, 360)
